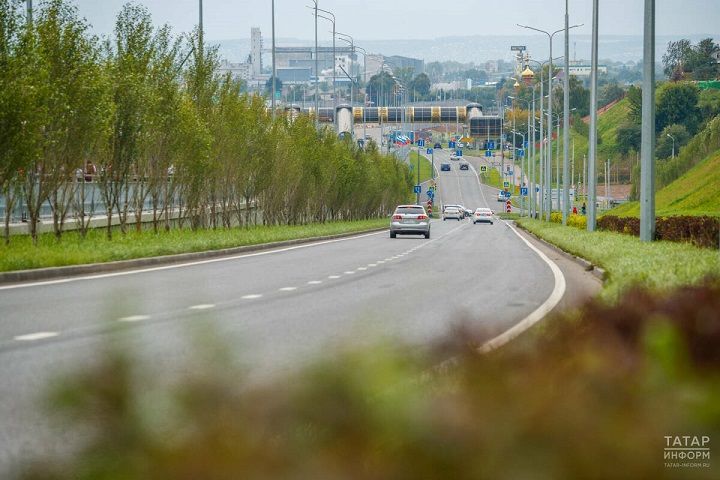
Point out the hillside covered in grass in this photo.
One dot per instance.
(694, 193)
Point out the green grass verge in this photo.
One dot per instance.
(492, 178)
(627, 260)
(425, 167)
(694, 193)
(95, 248)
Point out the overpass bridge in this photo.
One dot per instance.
(345, 117)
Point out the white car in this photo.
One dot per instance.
(454, 157)
(501, 197)
(453, 212)
(483, 215)
(410, 220)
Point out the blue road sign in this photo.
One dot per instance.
(429, 151)
(523, 191)
(510, 172)
(507, 194)
(491, 146)
(430, 194)
(521, 152)
(537, 189)
(526, 144)
(420, 142)
(417, 189)
(488, 153)
(451, 144)
(458, 153)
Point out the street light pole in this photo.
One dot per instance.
(566, 122)
(550, 71)
(30, 11)
(673, 145)
(334, 59)
(647, 162)
(590, 188)
(317, 73)
(200, 27)
(274, 71)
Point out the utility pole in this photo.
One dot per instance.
(274, 71)
(647, 162)
(590, 187)
(200, 31)
(30, 11)
(566, 122)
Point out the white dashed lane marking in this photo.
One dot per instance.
(349, 272)
(362, 268)
(36, 336)
(333, 277)
(251, 297)
(314, 282)
(287, 289)
(202, 306)
(134, 318)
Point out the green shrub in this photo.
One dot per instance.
(702, 231)
(592, 396)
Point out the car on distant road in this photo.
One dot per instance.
(454, 157)
(453, 212)
(410, 220)
(445, 167)
(437, 146)
(460, 145)
(501, 196)
(464, 166)
(483, 215)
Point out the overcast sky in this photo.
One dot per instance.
(406, 19)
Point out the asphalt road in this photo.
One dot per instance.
(274, 309)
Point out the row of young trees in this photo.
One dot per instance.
(148, 118)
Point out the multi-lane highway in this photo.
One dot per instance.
(275, 309)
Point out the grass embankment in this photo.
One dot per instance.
(492, 178)
(694, 193)
(628, 261)
(95, 248)
(425, 167)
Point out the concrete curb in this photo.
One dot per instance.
(586, 264)
(95, 268)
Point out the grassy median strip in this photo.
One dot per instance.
(425, 167)
(95, 248)
(628, 261)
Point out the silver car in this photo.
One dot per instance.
(410, 220)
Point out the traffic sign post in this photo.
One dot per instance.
(506, 184)
(429, 151)
(420, 142)
(451, 144)
(508, 207)
(458, 153)
(523, 191)
(488, 153)
(483, 168)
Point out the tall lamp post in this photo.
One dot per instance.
(347, 38)
(590, 188)
(673, 147)
(317, 73)
(274, 70)
(334, 60)
(550, 74)
(647, 142)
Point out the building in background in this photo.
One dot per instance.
(256, 44)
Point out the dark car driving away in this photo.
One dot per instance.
(445, 167)
(437, 146)
(464, 166)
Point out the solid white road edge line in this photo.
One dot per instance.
(186, 264)
(539, 313)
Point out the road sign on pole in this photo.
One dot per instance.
(451, 144)
(417, 189)
(508, 206)
(483, 168)
(523, 191)
(458, 153)
(429, 151)
(488, 153)
(420, 142)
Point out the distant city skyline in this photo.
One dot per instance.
(411, 19)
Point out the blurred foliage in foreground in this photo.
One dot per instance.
(587, 396)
